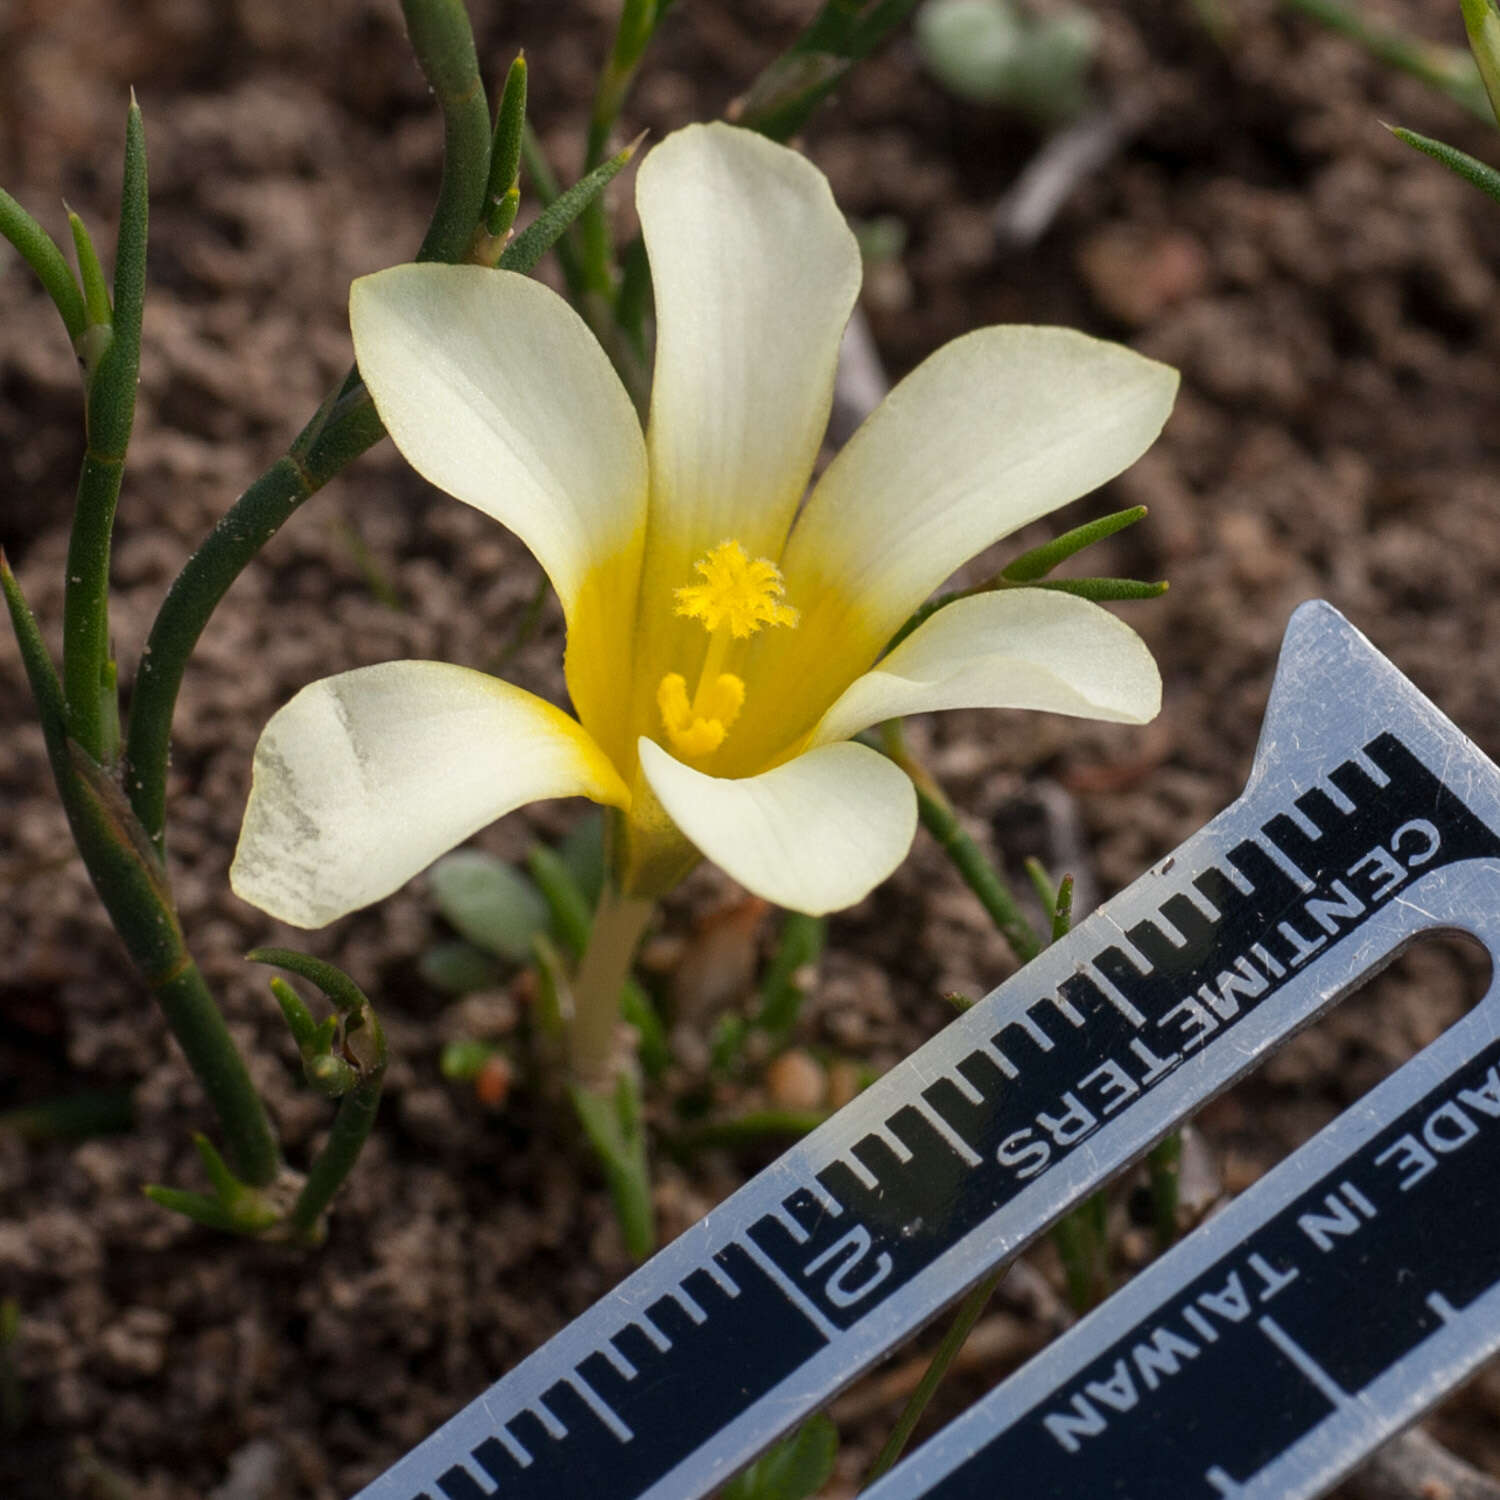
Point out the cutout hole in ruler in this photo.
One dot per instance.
(1327, 1068)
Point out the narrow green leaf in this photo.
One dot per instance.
(547, 228)
(39, 250)
(112, 394)
(1062, 911)
(46, 687)
(510, 128)
(1482, 22)
(489, 902)
(783, 97)
(76, 1117)
(1041, 883)
(91, 273)
(299, 1018)
(337, 985)
(1460, 163)
(795, 1469)
(800, 944)
(226, 1185)
(1041, 560)
(636, 1010)
(1102, 590)
(572, 916)
(547, 190)
(613, 1126)
(198, 1207)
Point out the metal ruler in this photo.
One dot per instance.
(1368, 819)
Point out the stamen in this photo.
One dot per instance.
(698, 728)
(735, 591)
(737, 597)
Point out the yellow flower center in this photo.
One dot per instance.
(738, 595)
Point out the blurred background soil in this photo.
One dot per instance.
(1330, 297)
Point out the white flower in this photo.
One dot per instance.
(722, 648)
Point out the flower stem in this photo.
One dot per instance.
(618, 925)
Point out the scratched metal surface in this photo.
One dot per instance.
(1361, 800)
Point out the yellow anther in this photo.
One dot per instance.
(736, 591)
(697, 728)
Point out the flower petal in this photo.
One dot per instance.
(494, 389)
(365, 778)
(815, 835)
(995, 429)
(1022, 648)
(755, 272)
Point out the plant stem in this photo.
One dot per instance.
(941, 821)
(350, 428)
(351, 1128)
(131, 883)
(444, 44)
(618, 925)
(969, 1313)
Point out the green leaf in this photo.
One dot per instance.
(299, 1019)
(95, 292)
(637, 1010)
(1460, 163)
(1040, 561)
(39, 250)
(988, 51)
(572, 916)
(1102, 590)
(1482, 22)
(785, 94)
(505, 154)
(613, 1126)
(337, 985)
(489, 902)
(796, 1468)
(458, 968)
(547, 228)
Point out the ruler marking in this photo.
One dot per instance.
(1224, 1484)
(513, 1445)
(617, 1357)
(688, 1303)
(1339, 797)
(1116, 997)
(600, 1407)
(972, 1095)
(997, 1057)
(793, 1293)
(1299, 1356)
(549, 1419)
(1283, 861)
(1443, 1307)
(652, 1332)
(1371, 768)
(950, 1137)
(893, 1142)
(722, 1279)
(1303, 824)
(859, 1171)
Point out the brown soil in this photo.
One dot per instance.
(1329, 297)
